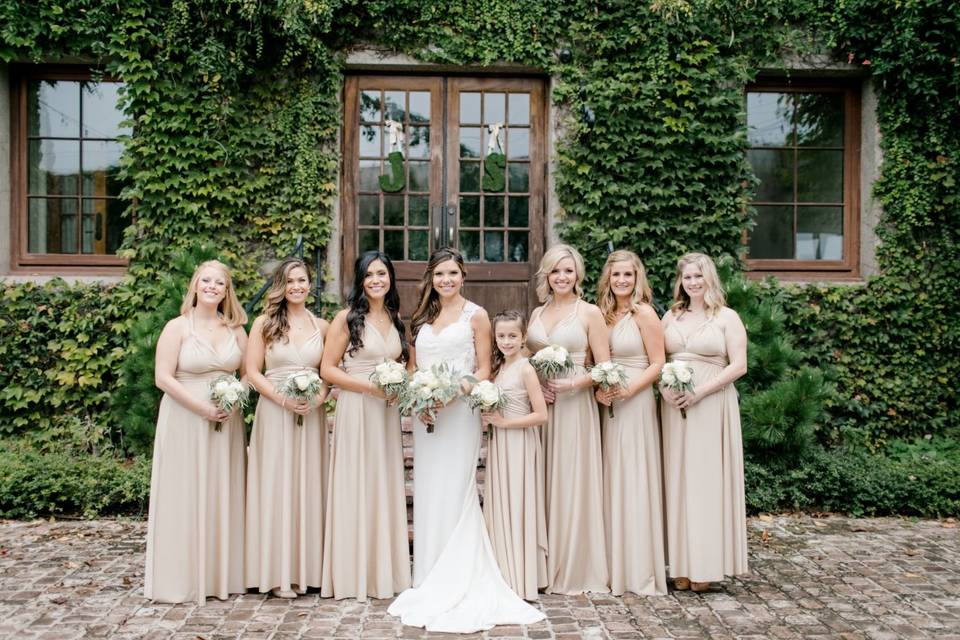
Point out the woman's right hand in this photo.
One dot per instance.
(213, 413)
(548, 395)
(300, 407)
(670, 396)
(377, 392)
(604, 397)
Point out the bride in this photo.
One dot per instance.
(457, 586)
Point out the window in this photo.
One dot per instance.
(803, 147)
(66, 156)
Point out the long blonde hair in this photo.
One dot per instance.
(714, 297)
(549, 261)
(429, 306)
(641, 287)
(277, 323)
(229, 308)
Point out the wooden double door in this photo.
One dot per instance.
(433, 161)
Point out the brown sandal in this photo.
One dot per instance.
(700, 587)
(681, 584)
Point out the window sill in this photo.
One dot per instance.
(809, 277)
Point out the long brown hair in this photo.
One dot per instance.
(511, 315)
(641, 287)
(277, 323)
(229, 308)
(429, 306)
(714, 297)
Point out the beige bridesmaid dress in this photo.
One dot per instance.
(513, 498)
(195, 527)
(576, 558)
(287, 480)
(703, 461)
(365, 550)
(632, 499)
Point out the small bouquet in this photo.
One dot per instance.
(391, 376)
(428, 388)
(551, 362)
(678, 377)
(302, 385)
(608, 375)
(227, 393)
(486, 396)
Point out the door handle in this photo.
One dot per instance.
(451, 224)
(437, 223)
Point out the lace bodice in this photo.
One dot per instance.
(453, 345)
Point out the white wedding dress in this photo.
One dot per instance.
(457, 586)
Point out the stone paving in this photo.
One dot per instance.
(826, 577)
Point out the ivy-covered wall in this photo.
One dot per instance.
(236, 110)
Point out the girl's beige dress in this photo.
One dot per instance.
(365, 549)
(576, 558)
(632, 499)
(513, 499)
(287, 480)
(195, 529)
(703, 460)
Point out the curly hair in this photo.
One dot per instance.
(277, 324)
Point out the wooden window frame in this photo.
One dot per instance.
(21, 261)
(849, 267)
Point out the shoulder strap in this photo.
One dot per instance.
(468, 310)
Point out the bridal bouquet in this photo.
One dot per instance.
(678, 377)
(302, 385)
(391, 376)
(608, 375)
(551, 362)
(486, 396)
(429, 389)
(228, 393)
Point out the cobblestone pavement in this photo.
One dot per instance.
(831, 577)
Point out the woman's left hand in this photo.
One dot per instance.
(686, 399)
(562, 385)
(492, 417)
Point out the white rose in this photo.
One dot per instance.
(393, 377)
(614, 377)
(684, 375)
(669, 378)
(231, 397)
(426, 393)
(221, 387)
(596, 374)
(302, 381)
(488, 393)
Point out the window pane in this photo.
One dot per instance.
(394, 105)
(493, 246)
(419, 142)
(470, 245)
(519, 211)
(419, 176)
(370, 106)
(820, 233)
(517, 249)
(370, 210)
(470, 108)
(819, 119)
(101, 168)
(519, 173)
(518, 144)
(775, 171)
(419, 106)
(370, 136)
(53, 167)
(769, 119)
(519, 108)
(53, 108)
(103, 224)
(470, 176)
(772, 238)
(820, 176)
(470, 142)
(368, 240)
(392, 211)
(493, 211)
(419, 245)
(370, 175)
(393, 244)
(494, 108)
(52, 225)
(101, 115)
(419, 211)
(469, 211)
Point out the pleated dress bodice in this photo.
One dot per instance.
(376, 349)
(284, 357)
(568, 333)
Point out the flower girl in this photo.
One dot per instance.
(513, 503)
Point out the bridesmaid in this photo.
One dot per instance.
(513, 499)
(366, 551)
(286, 483)
(574, 481)
(632, 499)
(703, 454)
(195, 527)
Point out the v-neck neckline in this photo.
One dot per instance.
(209, 345)
(316, 330)
(559, 322)
(685, 338)
(457, 321)
(383, 338)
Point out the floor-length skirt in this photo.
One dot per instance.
(195, 528)
(632, 498)
(366, 549)
(286, 497)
